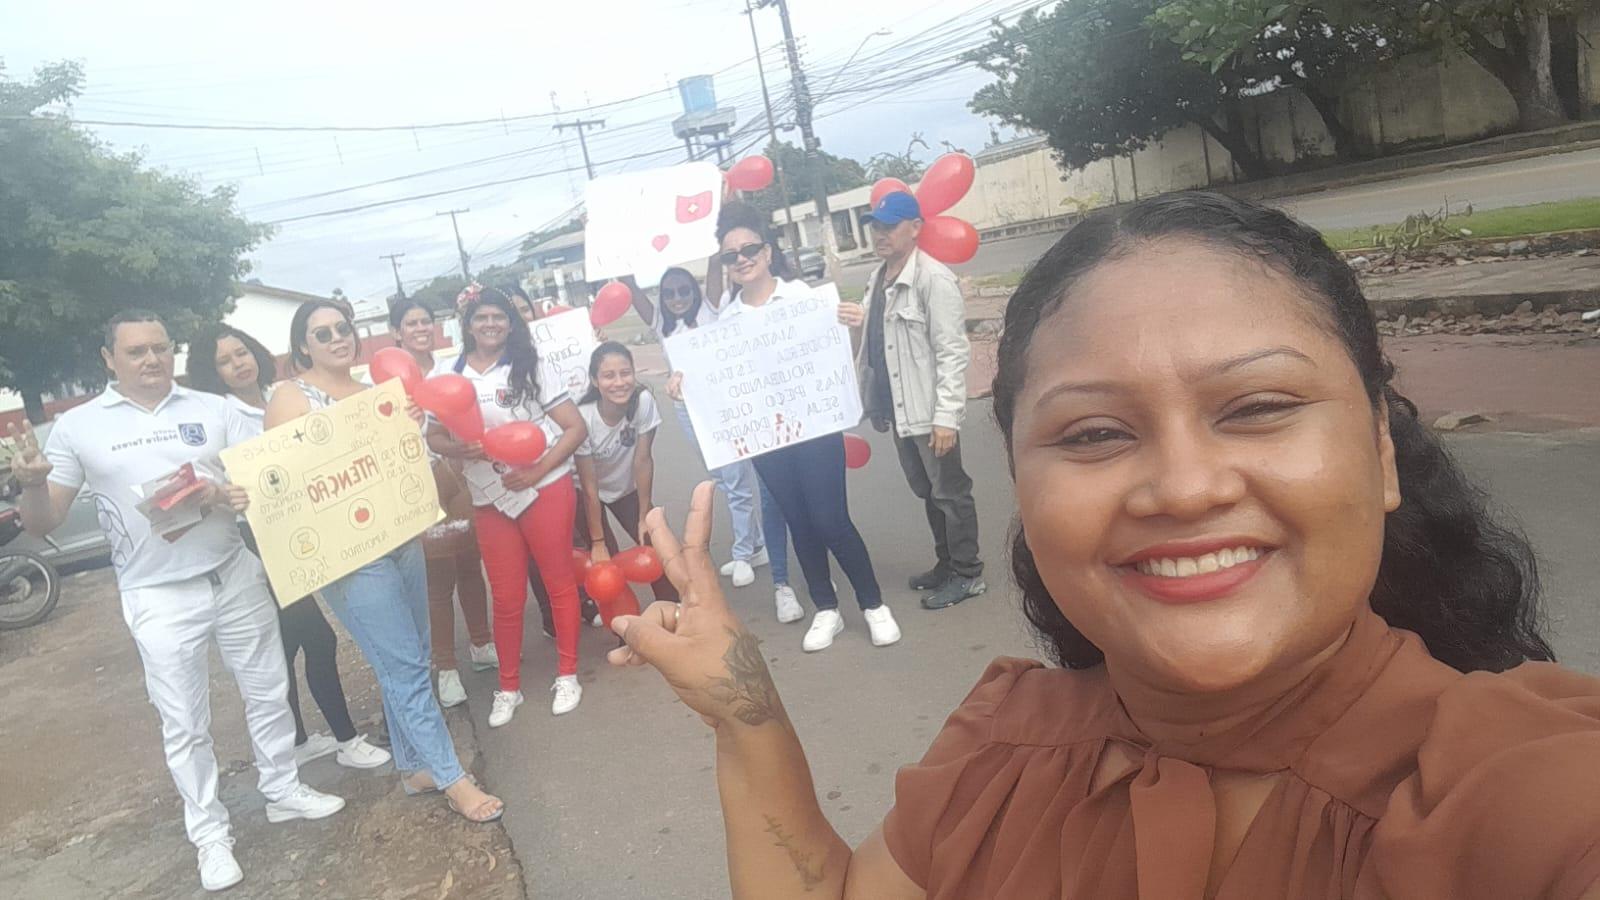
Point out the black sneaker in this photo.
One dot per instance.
(932, 579)
(590, 612)
(953, 591)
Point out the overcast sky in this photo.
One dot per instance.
(348, 63)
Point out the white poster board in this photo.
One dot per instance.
(645, 222)
(768, 377)
(565, 342)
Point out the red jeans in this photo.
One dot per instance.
(544, 531)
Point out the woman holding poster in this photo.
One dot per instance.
(807, 478)
(384, 604)
(520, 512)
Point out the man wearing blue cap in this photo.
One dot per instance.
(913, 366)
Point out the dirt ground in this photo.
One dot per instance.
(87, 809)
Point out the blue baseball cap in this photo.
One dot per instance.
(894, 208)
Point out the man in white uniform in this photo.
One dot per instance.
(182, 588)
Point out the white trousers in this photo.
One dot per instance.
(173, 625)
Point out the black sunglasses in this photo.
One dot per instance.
(748, 251)
(325, 334)
(680, 293)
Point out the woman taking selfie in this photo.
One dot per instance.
(1276, 605)
(383, 604)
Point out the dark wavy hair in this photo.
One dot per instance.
(669, 321)
(202, 364)
(399, 308)
(742, 215)
(299, 326)
(519, 352)
(592, 395)
(1465, 583)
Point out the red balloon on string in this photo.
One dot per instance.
(581, 563)
(392, 362)
(750, 174)
(945, 183)
(856, 451)
(453, 400)
(609, 305)
(640, 565)
(515, 443)
(948, 239)
(888, 186)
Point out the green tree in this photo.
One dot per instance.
(85, 232)
(904, 166)
(839, 173)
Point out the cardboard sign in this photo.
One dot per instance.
(768, 377)
(565, 342)
(644, 222)
(335, 489)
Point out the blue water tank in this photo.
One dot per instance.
(699, 94)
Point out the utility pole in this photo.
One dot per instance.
(802, 117)
(460, 247)
(772, 125)
(583, 125)
(394, 261)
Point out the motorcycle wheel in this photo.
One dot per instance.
(29, 589)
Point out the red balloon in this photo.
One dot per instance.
(453, 400)
(557, 309)
(640, 565)
(515, 443)
(581, 564)
(856, 451)
(392, 362)
(609, 590)
(609, 305)
(888, 186)
(948, 239)
(750, 174)
(946, 182)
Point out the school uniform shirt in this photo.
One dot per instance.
(705, 316)
(612, 446)
(111, 446)
(255, 418)
(785, 290)
(494, 400)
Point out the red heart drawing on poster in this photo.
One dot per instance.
(363, 514)
(386, 409)
(660, 242)
(692, 209)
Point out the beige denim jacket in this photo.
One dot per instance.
(924, 345)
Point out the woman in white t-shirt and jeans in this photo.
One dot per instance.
(616, 464)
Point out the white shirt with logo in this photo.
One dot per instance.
(494, 400)
(111, 446)
(612, 446)
(784, 290)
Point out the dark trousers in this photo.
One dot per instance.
(807, 481)
(625, 510)
(946, 492)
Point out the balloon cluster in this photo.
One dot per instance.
(945, 238)
(453, 400)
(607, 582)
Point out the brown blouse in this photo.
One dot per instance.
(1398, 777)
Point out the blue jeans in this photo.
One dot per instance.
(776, 532)
(384, 604)
(739, 485)
(808, 482)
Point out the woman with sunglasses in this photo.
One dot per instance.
(520, 512)
(807, 479)
(383, 604)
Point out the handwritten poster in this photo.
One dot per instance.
(768, 377)
(565, 342)
(644, 222)
(335, 489)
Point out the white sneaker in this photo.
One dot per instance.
(316, 747)
(356, 753)
(218, 869)
(484, 658)
(304, 802)
(882, 625)
(568, 692)
(451, 693)
(743, 574)
(789, 609)
(760, 559)
(505, 703)
(727, 567)
(825, 626)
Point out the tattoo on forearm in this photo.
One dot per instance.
(748, 686)
(810, 873)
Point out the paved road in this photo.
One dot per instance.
(1516, 183)
(618, 799)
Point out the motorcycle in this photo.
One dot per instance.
(30, 586)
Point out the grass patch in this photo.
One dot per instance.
(1510, 222)
(1004, 279)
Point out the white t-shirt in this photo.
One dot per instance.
(112, 446)
(257, 418)
(705, 316)
(611, 446)
(784, 290)
(494, 400)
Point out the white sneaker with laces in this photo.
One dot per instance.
(356, 753)
(567, 692)
(505, 703)
(825, 626)
(881, 623)
(484, 658)
(789, 609)
(743, 574)
(316, 747)
(304, 802)
(451, 692)
(218, 869)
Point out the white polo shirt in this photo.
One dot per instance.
(254, 416)
(494, 400)
(784, 291)
(612, 446)
(111, 445)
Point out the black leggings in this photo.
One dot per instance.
(807, 481)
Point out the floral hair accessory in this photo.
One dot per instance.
(467, 295)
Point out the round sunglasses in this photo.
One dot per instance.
(325, 334)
